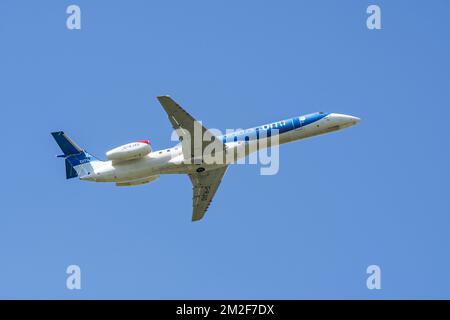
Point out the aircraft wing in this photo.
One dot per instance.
(204, 187)
(187, 128)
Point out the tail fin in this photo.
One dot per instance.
(78, 161)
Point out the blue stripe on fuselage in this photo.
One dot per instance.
(313, 117)
(282, 126)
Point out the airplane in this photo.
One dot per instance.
(137, 163)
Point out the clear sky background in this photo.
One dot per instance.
(377, 193)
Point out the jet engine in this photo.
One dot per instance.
(129, 151)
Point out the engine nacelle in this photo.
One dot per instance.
(129, 151)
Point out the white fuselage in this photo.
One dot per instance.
(171, 161)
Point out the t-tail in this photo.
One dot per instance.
(79, 162)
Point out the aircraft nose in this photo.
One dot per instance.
(345, 120)
(353, 119)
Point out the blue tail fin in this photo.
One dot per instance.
(67, 146)
(78, 161)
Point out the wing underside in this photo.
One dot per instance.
(193, 135)
(204, 187)
(194, 139)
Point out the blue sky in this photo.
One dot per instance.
(376, 193)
